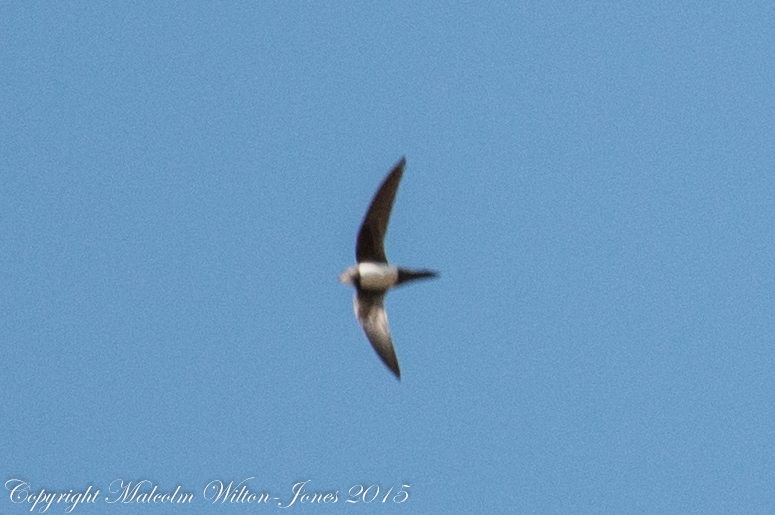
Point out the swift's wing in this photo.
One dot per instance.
(371, 237)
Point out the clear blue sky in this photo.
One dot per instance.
(181, 184)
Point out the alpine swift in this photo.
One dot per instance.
(372, 277)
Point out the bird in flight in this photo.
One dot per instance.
(372, 277)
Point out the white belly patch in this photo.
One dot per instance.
(377, 276)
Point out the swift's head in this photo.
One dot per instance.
(349, 276)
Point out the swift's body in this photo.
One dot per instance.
(373, 276)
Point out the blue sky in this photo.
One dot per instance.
(182, 184)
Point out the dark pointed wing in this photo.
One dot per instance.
(371, 314)
(372, 234)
